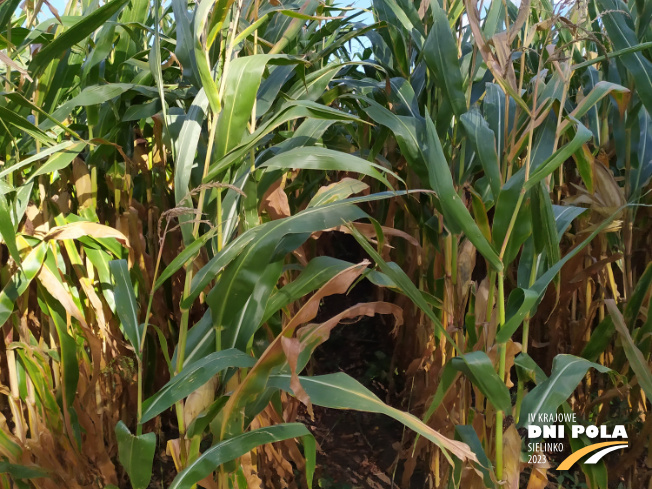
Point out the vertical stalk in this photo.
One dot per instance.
(520, 389)
(500, 415)
(628, 278)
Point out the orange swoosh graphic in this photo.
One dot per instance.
(571, 459)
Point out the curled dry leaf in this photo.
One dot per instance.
(75, 230)
(369, 232)
(292, 349)
(274, 354)
(313, 335)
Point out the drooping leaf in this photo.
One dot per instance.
(480, 371)
(227, 450)
(636, 360)
(75, 33)
(618, 22)
(340, 391)
(547, 396)
(191, 378)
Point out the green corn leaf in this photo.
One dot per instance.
(202, 52)
(7, 230)
(544, 225)
(186, 144)
(455, 213)
(21, 280)
(618, 22)
(480, 371)
(316, 158)
(440, 54)
(636, 360)
(564, 215)
(188, 253)
(599, 91)
(191, 378)
(66, 145)
(484, 142)
(227, 450)
(75, 33)
(93, 95)
(34, 368)
(467, 434)
(449, 375)
(136, 454)
(547, 396)
(582, 135)
(22, 471)
(22, 124)
(231, 300)
(521, 301)
(316, 273)
(125, 303)
(291, 111)
(58, 161)
(635, 301)
(243, 79)
(340, 391)
(301, 224)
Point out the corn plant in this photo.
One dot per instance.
(517, 119)
(167, 172)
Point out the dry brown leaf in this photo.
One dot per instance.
(314, 335)
(274, 354)
(173, 449)
(249, 470)
(606, 187)
(275, 201)
(369, 231)
(12, 64)
(355, 186)
(423, 8)
(465, 267)
(82, 180)
(75, 230)
(538, 478)
(35, 225)
(57, 290)
(292, 349)
(511, 457)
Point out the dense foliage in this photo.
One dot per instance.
(174, 176)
